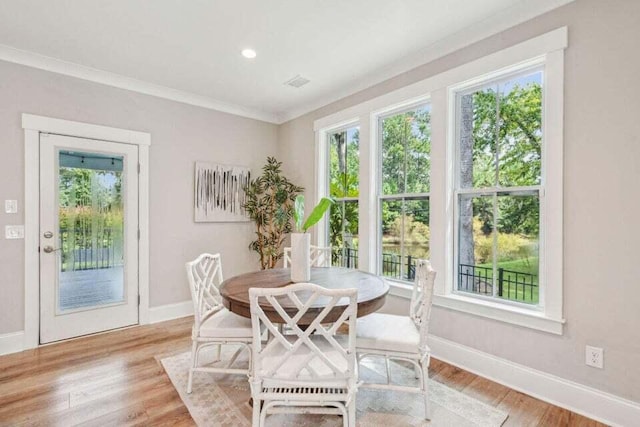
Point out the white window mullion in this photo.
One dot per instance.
(487, 191)
(494, 258)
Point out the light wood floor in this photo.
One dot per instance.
(115, 379)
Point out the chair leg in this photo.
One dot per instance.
(386, 363)
(194, 351)
(425, 390)
(416, 371)
(262, 410)
(218, 351)
(351, 411)
(250, 359)
(256, 413)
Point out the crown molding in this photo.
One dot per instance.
(42, 62)
(517, 14)
(510, 17)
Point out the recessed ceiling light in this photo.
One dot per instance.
(249, 53)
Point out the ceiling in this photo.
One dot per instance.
(190, 50)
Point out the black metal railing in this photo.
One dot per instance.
(85, 249)
(512, 285)
(344, 257)
(392, 266)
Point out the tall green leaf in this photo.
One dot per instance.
(317, 213)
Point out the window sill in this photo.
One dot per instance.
(491, 310)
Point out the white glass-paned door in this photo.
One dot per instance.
(88, 236)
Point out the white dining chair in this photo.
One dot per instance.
(311, 370)
(402, 338)
(319, 256)
(214, 325)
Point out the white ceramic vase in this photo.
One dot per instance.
(300, 257)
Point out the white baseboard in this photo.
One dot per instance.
(12, 342)
(587, 401)
(170, 311)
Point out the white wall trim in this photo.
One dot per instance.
(33, 125)
(11, 343)
(170, 311)
(84, 130)
(31, 238)
(515, 315)
(143, 241)
(47, 63)
(587, 401)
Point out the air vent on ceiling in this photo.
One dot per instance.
(297, 81)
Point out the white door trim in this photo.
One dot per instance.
(34, 125)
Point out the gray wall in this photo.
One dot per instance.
(180, 135)
(601, 207)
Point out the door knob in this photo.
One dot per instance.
(49, 249)
(48, 234)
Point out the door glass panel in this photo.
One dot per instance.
(91, 230)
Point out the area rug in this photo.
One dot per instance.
(223, 400)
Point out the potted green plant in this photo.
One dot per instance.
(301, 240)
(269, 204)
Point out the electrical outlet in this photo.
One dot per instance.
(14, 232)
(11, 206)
(594, 356)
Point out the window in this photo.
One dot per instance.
(343, 159)
(498, 188)
(469, 163)
(405, 148)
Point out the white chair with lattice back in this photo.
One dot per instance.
(214, 325)
(319, 256)
(402, 338)
(313, 369)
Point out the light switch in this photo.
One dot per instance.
(11, 206)
(14, 231)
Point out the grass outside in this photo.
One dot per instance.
(518, 292)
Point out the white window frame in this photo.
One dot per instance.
(379, 118)
(547, 315)
(547, 48)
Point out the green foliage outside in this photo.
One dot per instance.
(510, 291)
(90, 218)
(509, 247)
(343, 183)
(507, 125)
